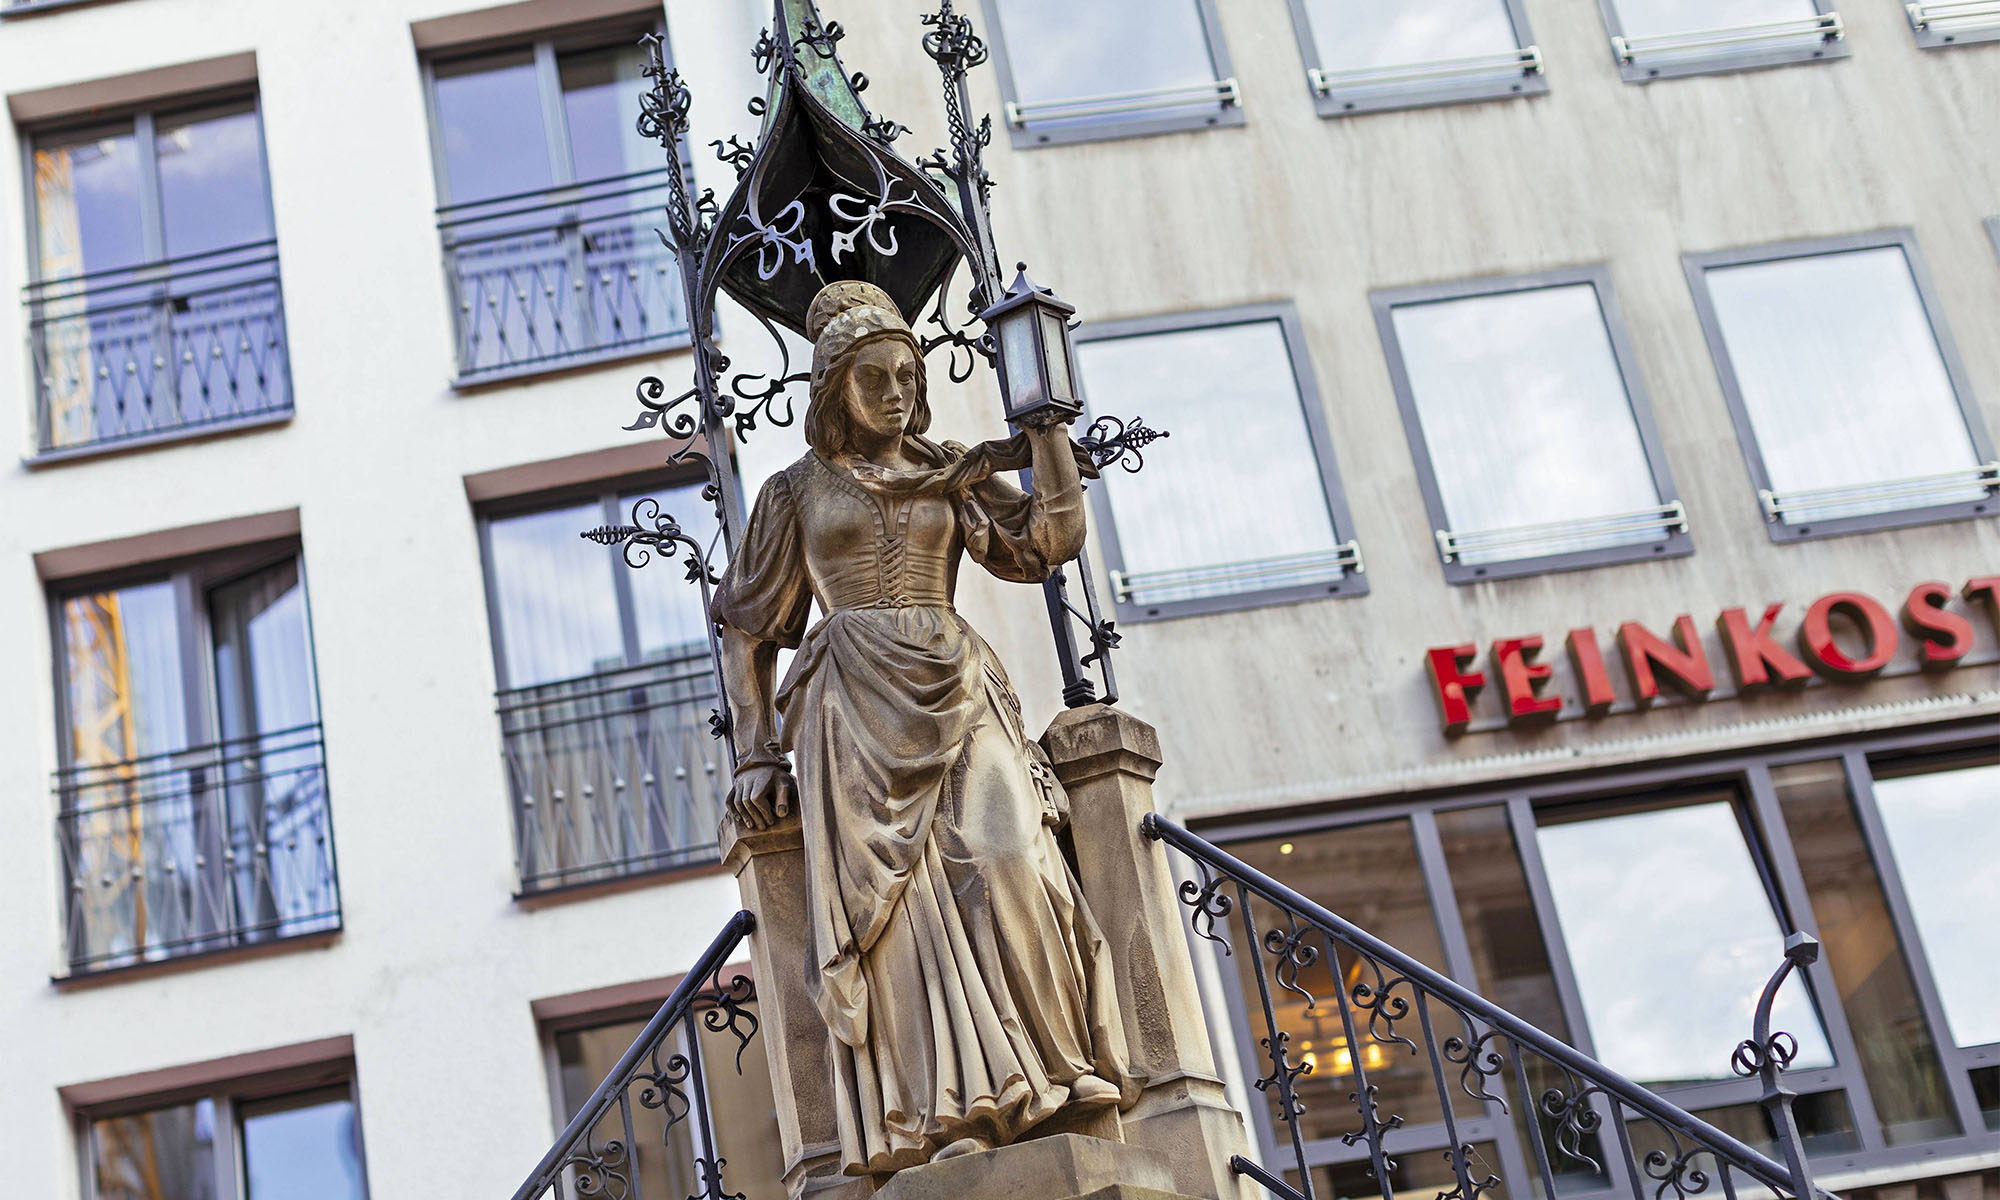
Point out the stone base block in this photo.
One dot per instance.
(1065, 1166)
(1190, 1124)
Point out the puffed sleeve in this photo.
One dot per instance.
(993, 516)
(764, 592)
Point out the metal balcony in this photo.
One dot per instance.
(562, 276)
(614, 774)
(197, 850)
(163, 350)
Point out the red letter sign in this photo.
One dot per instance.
(1986, 587)
(1519, 678)
(1816, 635)
(1685, 666)
(1589, 663)
(1944, 637)
(1452, 689)
(1754, 657)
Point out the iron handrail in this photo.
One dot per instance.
(218, 750)
(1217, 865)
(510, 197)
(551, 691)
(555, 196)
(700, 981)
(164, 267)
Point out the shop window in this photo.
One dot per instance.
(1235, 389)
(1364, 57)
(550, 196)
(1111, 68)
(1655, 39)
(605, 691)
(1850, 404)
(155, 310)
(1668, 890)
(743, 1116)
(192, 796)
(1532, 437)
(298, 1145)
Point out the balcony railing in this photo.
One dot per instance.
(545, 279)
(614, 774)
(160, 350)
(197, 850)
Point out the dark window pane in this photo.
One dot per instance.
(1897, 1053)
(166, 1154)
(212, 190)
(303, 1148)
(1668, 891)
(1944, 829)
(1369, 875)
(1825, 1125)
(489, 115)
(1512, 970)
(1986, 1092)
(87, 202)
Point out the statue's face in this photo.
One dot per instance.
(882, 388)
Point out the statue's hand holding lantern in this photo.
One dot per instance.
(1037, 363)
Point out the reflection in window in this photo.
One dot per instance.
(1653, 18)
(302, 1148)
(1944, 829)
(165, 1154)
(1669, 892)
(1368, 874)
(743, 1114)
(1846, 391)
(1894, 1043)
(1826, 1126)
(1350, 34)
(1253, 514)
(1113, 61)
(1526, 416)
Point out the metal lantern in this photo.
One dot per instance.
(1030, 326)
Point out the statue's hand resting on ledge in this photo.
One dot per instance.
(762, 794)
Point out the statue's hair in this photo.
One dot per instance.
(827, 420)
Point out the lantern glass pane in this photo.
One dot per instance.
(1020, 359)
(1055, 343)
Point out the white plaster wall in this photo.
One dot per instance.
(436, 967)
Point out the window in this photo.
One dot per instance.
(1533, 441)
(1638, 919)
(192, 796)
(742, 1113)
(1952, 22)
(550, 199)
(1114, 68)
(1364, 57)
(155, 308)
(1660, 39)
(1848, 398)
(241, 1143)
(605, 694)
(1257, 515)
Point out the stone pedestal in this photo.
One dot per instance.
(770, 870)
(1106, 760)
(1066, 1166)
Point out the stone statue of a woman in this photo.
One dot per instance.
(962, 978)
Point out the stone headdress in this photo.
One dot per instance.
(844, 316)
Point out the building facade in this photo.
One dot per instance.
(1574, 558)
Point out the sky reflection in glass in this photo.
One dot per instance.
(489, 115)
(312, 1152)
(212, 182)
(557, 602)
(1650, 18)
(1672, 938)
(1061, 50)
(1944, 829)
(1350, 34)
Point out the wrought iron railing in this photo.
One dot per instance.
(166, 348)
(548, 278)
(1471, 1063)
(652, 1112)
(197, 850)
(614, 774)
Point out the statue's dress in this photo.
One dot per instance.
(962, 977)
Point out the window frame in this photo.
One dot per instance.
(1229, 113)
(1353, 582)
(1696, 265)
(544, 46)
(1993, 233)
(1676, 542)
(1532, 81)
(1833, 45)
(321, 1080)
(1772, 849)
(143, 116)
